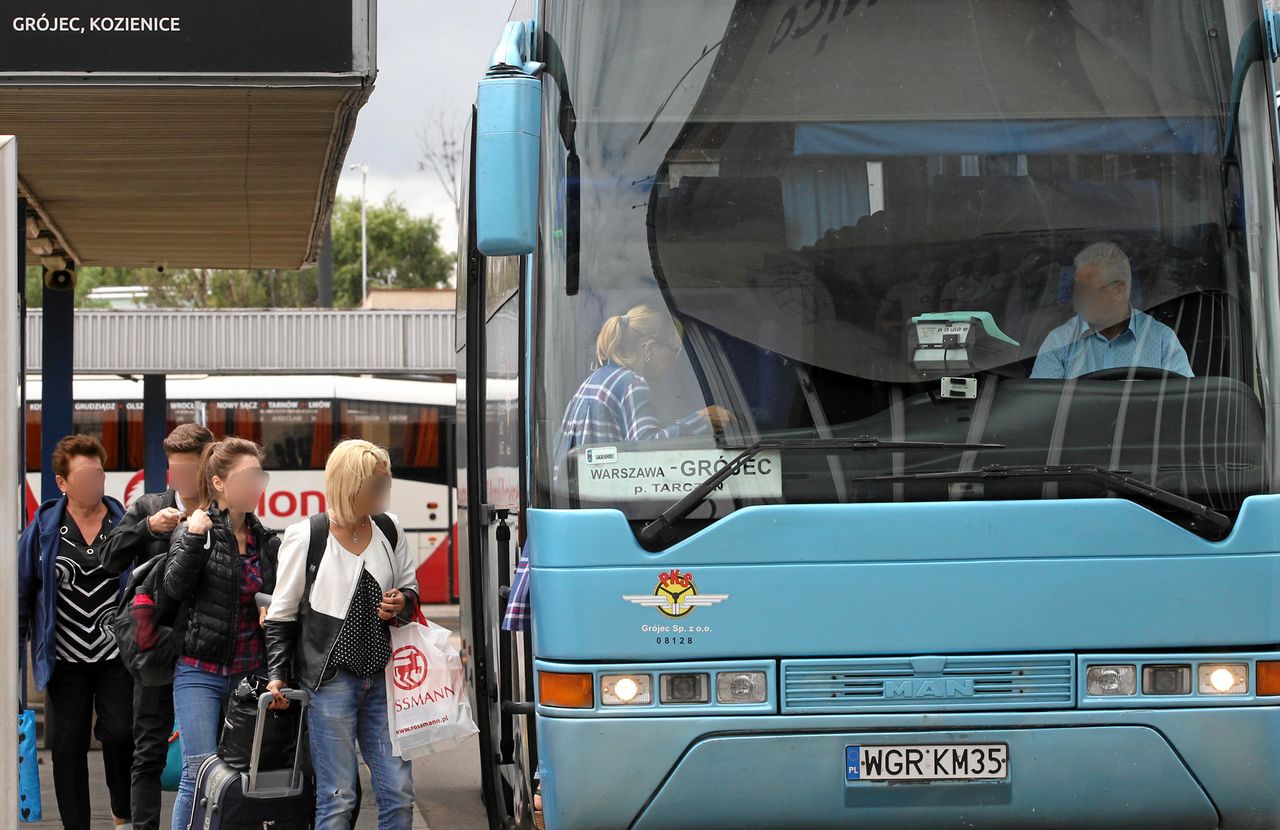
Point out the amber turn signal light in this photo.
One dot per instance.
(568, 691)
(1268, 677)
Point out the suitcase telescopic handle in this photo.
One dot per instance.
(255, 751)
(264, 699)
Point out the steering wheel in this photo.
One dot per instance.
(1130, 373)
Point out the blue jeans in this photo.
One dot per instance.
(342, 710)
(199, 704)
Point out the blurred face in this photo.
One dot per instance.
(86, 482)
(659, 356)
(1099, 298)
(375, 493)
(184, 476)
(243, 485)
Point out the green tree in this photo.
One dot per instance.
(404, 251)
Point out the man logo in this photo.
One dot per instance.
(929, 687)
(675, 595)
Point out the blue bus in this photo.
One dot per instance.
(881, 394)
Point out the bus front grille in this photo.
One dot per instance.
(934, 683)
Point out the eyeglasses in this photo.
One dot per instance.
(677, 349)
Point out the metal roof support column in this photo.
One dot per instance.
(11, 461)
(57, 367)
(155, 425)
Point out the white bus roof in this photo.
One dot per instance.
(262, 387)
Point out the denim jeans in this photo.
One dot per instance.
(199, 704)
(343, 710)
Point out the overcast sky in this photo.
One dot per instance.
(431, 53)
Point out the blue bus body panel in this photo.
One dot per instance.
(508, 115)
(1042, 579)
(1165, 769)
(932, 578)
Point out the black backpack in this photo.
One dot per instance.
(152, 666)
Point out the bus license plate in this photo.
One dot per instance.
(926, 762)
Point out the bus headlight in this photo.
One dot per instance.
(1112, 680)
(625, 690)
(1223, 678)
(740, 687)
(683, 688)
(1166, 680)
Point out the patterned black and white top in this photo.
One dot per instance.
(86, 598)
(364, 642)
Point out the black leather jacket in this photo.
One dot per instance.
(204, 571)
(131, 542)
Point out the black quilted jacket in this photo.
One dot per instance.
(204, 571)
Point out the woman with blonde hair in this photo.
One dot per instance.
(615, 404)
(345, 576)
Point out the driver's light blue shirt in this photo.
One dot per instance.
(1074, 349)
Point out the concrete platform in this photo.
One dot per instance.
(447, 784)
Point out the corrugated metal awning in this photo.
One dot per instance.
(257, 341)
(186, 177)
(217, 144)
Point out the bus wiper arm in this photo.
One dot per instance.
(660, 528)
(1116, 480)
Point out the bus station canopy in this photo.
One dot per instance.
(180, 133)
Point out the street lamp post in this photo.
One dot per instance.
(364, 233)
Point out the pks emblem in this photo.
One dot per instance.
(675, 595)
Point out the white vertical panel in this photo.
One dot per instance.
(11, 518)
(875, 186)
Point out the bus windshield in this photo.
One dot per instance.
(1020, 224)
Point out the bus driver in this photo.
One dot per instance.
(1107, 332)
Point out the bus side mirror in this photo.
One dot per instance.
(508, 130)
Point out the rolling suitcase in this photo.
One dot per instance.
(229, 799)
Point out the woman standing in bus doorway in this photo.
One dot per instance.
(329, 631)
(65, 597)
(220, 559)
(615, 404)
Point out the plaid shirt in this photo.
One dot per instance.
(249, 653)
(614, 404)
(517, 616)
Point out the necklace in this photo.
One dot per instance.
(355, 533)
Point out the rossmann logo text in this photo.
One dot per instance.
(424, 697)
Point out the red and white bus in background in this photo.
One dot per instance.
(297, 419)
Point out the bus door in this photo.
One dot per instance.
(489, 451)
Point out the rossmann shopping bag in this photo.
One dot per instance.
(427, 706)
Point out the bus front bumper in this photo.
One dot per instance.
(1169, 769)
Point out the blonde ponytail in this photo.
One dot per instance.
(623, 336)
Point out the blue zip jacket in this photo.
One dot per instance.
(38, 581)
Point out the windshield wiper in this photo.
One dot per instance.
(659, 530)
(1202, 516)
